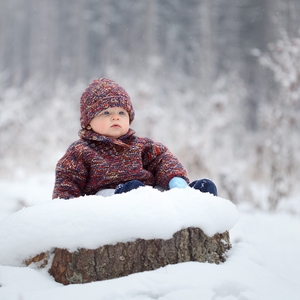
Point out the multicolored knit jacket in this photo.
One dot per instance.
(95, 162)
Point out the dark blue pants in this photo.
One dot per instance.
(128, 186)
(203, 185)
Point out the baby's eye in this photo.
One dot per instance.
(121, 113)
(105, 113)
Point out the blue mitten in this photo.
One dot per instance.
(177, 182)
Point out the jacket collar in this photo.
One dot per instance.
(93, 136)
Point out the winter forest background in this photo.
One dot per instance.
(216, 81)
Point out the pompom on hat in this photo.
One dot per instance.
(100, 95)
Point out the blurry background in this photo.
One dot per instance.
(216, 81)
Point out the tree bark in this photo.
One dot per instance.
(122, 259)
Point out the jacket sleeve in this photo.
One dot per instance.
(162, 163)
(70, 175)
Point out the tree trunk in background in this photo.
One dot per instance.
(81, 41)
(3, 12)
(151, 27)
(122, 259)
(207, 36)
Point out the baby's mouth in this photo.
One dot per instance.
(116, 126)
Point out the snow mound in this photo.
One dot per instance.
(94, 221)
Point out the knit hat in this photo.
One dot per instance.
(100, 95)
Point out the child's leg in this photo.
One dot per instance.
(128, 186)
(205, 185)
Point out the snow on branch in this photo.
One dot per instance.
(283, 60)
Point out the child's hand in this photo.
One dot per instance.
(177, 182)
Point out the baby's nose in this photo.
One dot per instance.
(115, 116)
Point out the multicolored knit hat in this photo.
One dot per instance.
(100, 95)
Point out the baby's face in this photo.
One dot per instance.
(111, 122)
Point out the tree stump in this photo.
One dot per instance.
(122, 259)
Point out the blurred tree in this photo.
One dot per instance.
(282, 116)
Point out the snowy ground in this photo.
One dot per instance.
(263, 263)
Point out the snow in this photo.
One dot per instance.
(262, 264)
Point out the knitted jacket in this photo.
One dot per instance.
(95, 161)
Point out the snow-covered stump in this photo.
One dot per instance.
(94, 238)
(122, 259)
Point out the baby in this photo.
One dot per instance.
(109, 155)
